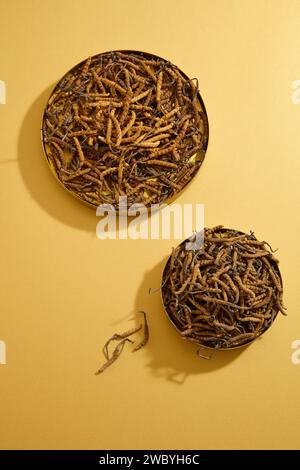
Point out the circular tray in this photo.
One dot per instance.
(177, 326)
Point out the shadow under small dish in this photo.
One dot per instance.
(226, 292)
(125, 123)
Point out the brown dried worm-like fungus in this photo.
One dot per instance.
(123, 338)
(130, 107)
(226, 292)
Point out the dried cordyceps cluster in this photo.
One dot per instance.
(125, 124)
(224, 294)
(124, 338)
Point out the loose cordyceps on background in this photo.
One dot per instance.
(224, 294)
(124, 338)
(125, 124)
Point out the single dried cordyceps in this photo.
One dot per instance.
(125, 124)
(224, 294)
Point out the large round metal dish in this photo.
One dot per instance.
(97, 165)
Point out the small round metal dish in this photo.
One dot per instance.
(195, 159)
(204, 347)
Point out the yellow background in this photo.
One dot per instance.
(64, 292)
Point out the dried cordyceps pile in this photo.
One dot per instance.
(224, 294)
(124, 338)
(125, 124)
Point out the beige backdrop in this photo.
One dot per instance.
(64, 292)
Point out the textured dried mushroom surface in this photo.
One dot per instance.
(125, 124)
(226, 293)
